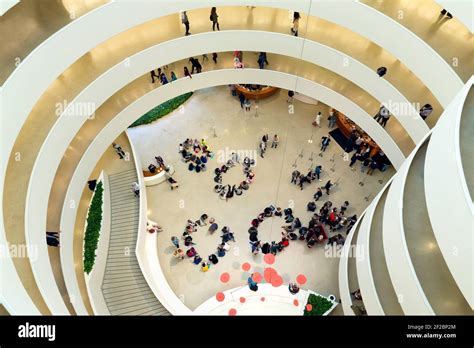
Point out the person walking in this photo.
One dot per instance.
(381, 71)
(175, 241)
(317, 120)
(325, 141)
(136, 189)
(195, 65)
(261, 61)
(153, 75)
(247, 104)
(296, 23)
(213, 17)
(185, 21)
(332, 119)
(354, 159)
(294, 176)
(425, 111)
(187, 73)
(328, 186)
(385, 119)
(173, 76)
(262, 148)
(214, 57)
(317, 171)
(275, 141)
(118, 150)
(318, 194)
(291, 94)
(242, 100)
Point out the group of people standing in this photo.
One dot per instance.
(300, 179)
(263, 143)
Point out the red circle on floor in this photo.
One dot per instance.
(257, 277)
(309, 307)
(269, 259)
(220, 296)
(301, 279)
(268, 274)
(276, 280)
(225, 277)
(296, 303)
(232, 311)
(242, 300)
(246, 266)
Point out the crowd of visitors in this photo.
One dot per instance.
(195, 153)
(229, 191)
(192, 227)
(300, 179)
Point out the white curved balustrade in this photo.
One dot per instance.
(146, 251)
(421, 58)
(364, 269)
(445, 186)
(6, 5)
(347, 252)
(405, 281)
(157, 96)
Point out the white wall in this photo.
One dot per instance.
(462, 10)
(147, 253)
(5, 5)
(347, 252)
(364, 263)
(161, 94)
(410, 294)
(95, 278)
(446, 188)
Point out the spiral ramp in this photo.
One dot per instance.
(414, 237)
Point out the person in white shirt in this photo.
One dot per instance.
(136, 189)
(317, 120)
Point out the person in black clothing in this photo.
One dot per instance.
(381, 71)
(153, 75)
(354, 158)
(91, 184)
(444, 12)
(195, 65)
(242, 100)
(213, 258)
(318, 194)
(214, 57)
(52, 239)
(213, 17)
(328, 186)
(325, 141)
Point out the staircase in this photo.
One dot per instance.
(125, 290)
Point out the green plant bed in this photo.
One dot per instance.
(94, 222)
(320, 305)
(162, 110)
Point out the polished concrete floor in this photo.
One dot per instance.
(235, 129)
(101, 58)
